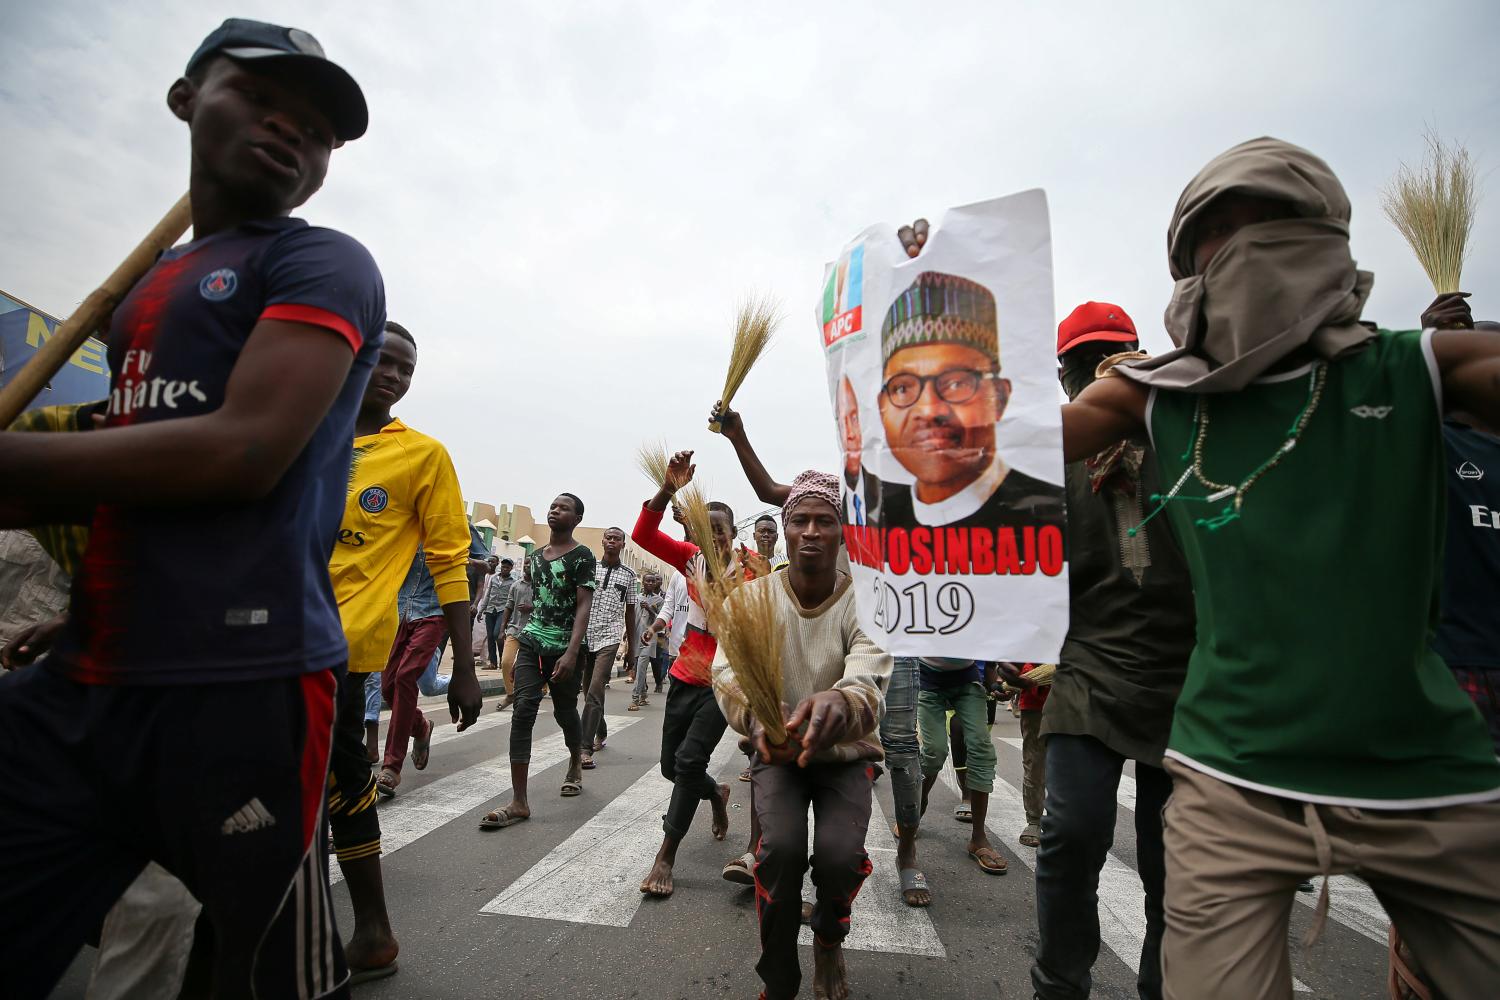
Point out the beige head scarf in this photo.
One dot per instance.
(1272, 288)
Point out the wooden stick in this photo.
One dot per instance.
(92, 314)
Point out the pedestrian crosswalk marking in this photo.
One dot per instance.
(881, 920)
(594, 876)
(413, 815)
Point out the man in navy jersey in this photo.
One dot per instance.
(238, 363)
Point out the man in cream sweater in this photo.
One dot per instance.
(833, 673)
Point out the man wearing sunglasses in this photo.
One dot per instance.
(941, 398)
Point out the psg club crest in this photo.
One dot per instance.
(374, 499)
(217, 286)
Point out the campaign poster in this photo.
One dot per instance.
(942, 373)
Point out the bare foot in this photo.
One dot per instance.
(370, 951)
(658, 881)
(720, 805)
(830, 974)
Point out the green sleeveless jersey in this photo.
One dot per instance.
(1312, 675)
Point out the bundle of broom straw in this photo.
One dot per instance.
(753, 328)
(1433, 207)
(745, 622)
(652, 458)
(700, 528)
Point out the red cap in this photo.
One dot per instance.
(1094, 321)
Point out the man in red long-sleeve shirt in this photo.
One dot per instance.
(693, 725)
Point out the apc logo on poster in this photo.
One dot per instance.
(843, 298)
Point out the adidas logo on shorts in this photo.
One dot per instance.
(248, 818)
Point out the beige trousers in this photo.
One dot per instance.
(1033, 765)
(508, 664)
(1235, 856)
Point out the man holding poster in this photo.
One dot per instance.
(953, 499)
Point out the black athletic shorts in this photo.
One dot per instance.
(221, 784)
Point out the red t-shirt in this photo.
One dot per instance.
(1032, 699)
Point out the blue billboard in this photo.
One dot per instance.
(23, 330)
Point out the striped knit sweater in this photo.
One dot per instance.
(823, 648)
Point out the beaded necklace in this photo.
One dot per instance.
(1220, 491)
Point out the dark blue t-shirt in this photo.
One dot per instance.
(1469, 633)
(226, 591)
(930, 678)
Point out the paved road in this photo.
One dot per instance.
(551, 908)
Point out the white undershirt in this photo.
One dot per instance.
(963, 503)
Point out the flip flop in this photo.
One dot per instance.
(741, 870)
(911, 880)
(503, 818)
(963, 812)
(357, 976)
(572, 787)
(745, 774)
(387, 789)
(996, 864)
(422, 748)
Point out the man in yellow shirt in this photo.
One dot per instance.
(403, 493)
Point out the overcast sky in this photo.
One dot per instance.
(568, 199)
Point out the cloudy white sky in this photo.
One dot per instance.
(567, 199)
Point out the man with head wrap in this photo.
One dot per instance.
(1121, 667)
(833, 673)
(1316, 731)
(941, 396)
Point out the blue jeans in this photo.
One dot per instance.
(898, 735)
(431, 682)
(1078, 829)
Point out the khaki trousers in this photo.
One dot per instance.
(1235, 856)
(508, 664)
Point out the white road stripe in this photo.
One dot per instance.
(413, 815)
(881, 921)
(594, 877)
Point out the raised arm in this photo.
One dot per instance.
(1469, 363)
(1112, 408)
(732, 427)
(647, 532)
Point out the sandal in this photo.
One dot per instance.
(501, 818)
(963, 812)
(635, 706)
(369, 975)
(587, 763)
(387, 781)
(1031, 836)
(913, 880)
(572, 787)
(989, 861)
(422, 748)
(741, 871)
(745, 774)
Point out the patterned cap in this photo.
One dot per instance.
(811, 485)
(942, 309)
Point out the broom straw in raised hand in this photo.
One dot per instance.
(653, 458)
(747, 627)
(753, 329)
(700, 528)
(92, 314)
(1433, 207)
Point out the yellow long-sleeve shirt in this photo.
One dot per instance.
(403, 492)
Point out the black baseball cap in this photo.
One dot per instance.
(328, 86)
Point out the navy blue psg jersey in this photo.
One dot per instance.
(1469, 634)
(227, 591)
